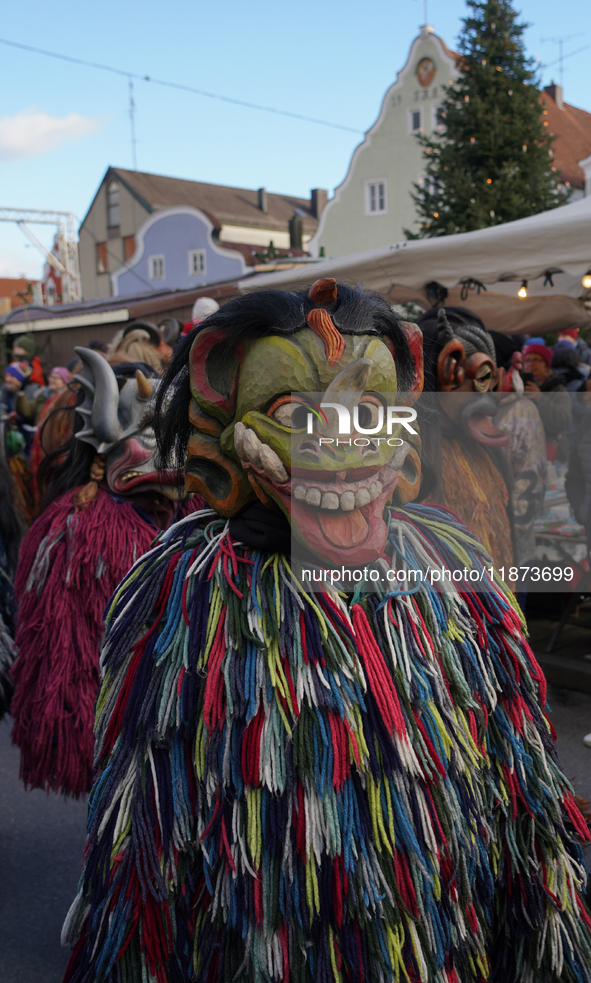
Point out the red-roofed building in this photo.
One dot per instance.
(373, 205)
(12, 287)
(571, 128)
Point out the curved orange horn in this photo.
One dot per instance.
(323, 293)
(143, 386)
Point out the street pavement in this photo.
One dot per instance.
(42, 839)
(41, 844)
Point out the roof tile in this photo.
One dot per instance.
(223, 205)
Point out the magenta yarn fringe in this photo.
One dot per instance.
(70, 562)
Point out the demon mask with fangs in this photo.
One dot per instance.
(254, 382)
(117, 413)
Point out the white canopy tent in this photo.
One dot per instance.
(556, 242)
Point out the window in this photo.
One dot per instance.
(375, 197)
(427, 183)
(196, 262)
(437, 117)
(50, 293)
(415, 121)
(113, 205)
(128, 247)
(156, 267)
(101, 257)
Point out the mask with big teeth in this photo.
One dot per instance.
(249, 409)
(117, 413)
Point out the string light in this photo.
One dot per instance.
(522, 292)
(586, 281)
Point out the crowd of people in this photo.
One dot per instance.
(332, 786)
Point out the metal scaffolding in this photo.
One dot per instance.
(66, 262)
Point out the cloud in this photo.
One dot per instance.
(32, 133)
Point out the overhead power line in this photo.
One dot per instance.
(176, 85)
(559, 61)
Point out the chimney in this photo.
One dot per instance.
(296, 232)
(262, 195)
(556, 92)
(318, 199)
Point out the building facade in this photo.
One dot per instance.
(175, 250)
(241, 222)
(373, 205)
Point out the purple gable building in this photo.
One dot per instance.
(175, 250)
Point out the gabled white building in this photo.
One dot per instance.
(373, 205)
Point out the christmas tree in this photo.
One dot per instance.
(491, 162)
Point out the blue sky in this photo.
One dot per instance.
(61, 125)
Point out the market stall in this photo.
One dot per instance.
(544, 257)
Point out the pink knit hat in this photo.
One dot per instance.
(62, 372)
(540, 350)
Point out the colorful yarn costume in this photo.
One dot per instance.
(315, 787)
(71, 560)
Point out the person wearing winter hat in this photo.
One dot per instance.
(24, 348)
(202, 308)
(13, 380)
(30, 404)
(14, 371)
(569, 338)
(59, 379)
(536, 360)
(24, 351)
(556, 412)
(17, 438)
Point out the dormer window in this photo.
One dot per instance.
(113, 205)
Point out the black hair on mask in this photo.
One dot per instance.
(257, 315)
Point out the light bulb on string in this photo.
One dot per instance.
(522, 292)
(586, 281)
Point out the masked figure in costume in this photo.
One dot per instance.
(107, 504)
(317, 787)
(474, 476)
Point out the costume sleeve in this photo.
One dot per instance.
(541, 928)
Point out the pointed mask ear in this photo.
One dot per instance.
(409, 482)
(214, 364)
(414, 337)
(450, 373)
(213, 371)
